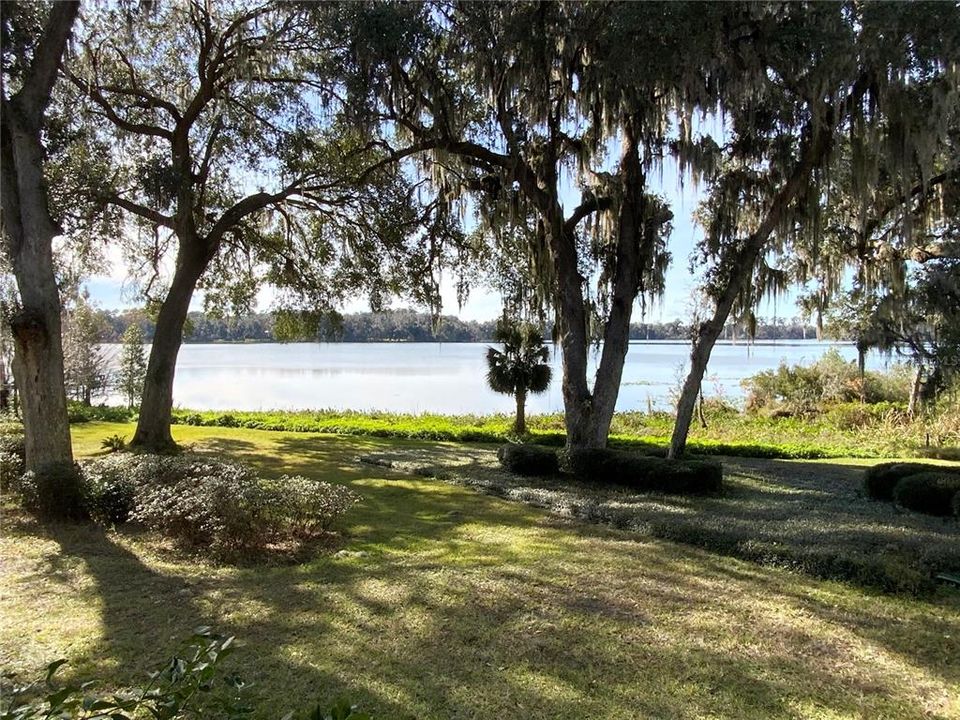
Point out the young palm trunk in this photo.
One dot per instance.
(520, 422)
(153, 425)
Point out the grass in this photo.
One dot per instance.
(447, 603)
(808, 516)
(844, 431)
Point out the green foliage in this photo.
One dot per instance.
(880, 480)
(114, 443)
(80, 413)
(53, 491)
(931, 493)
(110, 487)
(189, 685)
(222, 506)
(133, 366)
(341, 710)
(12, 454)
(528, 459)
(85, 366)
(805, 389)
(646, 472)
(522, 366)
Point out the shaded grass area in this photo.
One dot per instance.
(812, 517)
(446, 603)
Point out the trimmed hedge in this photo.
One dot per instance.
(956, 505)
(880, 480)
(528, 459)
(645, 472)
(931, 493)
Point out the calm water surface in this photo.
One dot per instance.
(442, 378)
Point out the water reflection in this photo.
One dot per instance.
(444, 378)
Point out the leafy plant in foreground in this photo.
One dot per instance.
(189, 685)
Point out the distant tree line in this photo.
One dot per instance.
(402, 326)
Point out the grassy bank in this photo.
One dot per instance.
(845, 431)
(445, 603)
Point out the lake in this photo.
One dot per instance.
(443, 378)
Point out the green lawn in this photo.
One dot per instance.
(447, 603)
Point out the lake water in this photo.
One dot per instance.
(442, 378)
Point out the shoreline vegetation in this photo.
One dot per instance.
(852, 430)
(401, 326)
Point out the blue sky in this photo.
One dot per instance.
(111, 289)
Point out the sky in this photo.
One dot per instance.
(112, 289)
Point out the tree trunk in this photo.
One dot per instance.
(520, 423)
(153, 425)
(915, 392)
(636, 239)
(28, 230)
(741, 268)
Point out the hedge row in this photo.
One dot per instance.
(923, 487)
(639, 472)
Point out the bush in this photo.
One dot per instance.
(880, 480)
(956, 505)
(114, 443)
(307, 507)
(225, 506)
(110, 487)
(931, 493)
(800, 389)
(12, 455)
(646, 472)
(528, 459)
(54, 491)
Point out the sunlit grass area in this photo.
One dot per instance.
(443, 602)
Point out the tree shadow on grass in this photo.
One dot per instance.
(464, 605)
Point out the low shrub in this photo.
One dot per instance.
(956, 505)
(189, 685)
(528, 459)
(307, 507)
(12, 455)
(110, 486)
(80, 413)
(53, 491)
(880, 480)
(931, 493)
(226, 507)
(114, 443)
(646, 472)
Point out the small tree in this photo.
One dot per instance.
(85, 366)
(520, 368)
(133, 365)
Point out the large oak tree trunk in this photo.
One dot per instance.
(29, 229)
(588, 415)
(153, 425)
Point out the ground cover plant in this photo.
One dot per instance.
(449, 603)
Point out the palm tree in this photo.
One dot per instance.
(520, 368)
